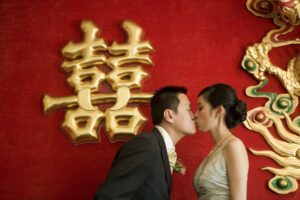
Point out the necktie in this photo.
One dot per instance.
(172, 155)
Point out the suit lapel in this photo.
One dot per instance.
(164, 156)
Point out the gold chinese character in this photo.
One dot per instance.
(82, 125)
(83, 118)
(122, 123)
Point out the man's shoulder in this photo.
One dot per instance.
(149, 134)
(144, 136)
(147, 139)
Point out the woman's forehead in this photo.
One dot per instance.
(202, 100)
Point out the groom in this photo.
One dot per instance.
(142, 167)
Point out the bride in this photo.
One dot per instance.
(223, 173)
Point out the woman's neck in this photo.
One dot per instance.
(219, 133)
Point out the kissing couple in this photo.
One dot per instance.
(142, 168)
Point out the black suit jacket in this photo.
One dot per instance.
(140, 171)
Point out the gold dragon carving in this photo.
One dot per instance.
(279, 108)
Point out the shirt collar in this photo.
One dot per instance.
(166, 137)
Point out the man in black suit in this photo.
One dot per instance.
(141, 168)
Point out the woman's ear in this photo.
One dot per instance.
(220, 110)
(168, 115)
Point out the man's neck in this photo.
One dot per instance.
(175, 136)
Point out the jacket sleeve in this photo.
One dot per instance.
(130, 169)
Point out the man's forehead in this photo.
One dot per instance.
(183, 98)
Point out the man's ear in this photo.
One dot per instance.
(168, 115)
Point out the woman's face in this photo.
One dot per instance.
(205, 115)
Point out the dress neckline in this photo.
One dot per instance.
(215, 148)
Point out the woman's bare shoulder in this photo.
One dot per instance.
(234, 148)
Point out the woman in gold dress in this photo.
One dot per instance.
(223, 173)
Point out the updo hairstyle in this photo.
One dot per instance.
(225, 95)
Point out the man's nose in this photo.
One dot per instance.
(193, 116)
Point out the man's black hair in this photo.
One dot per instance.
(165, 98)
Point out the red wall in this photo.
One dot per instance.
(197, 43)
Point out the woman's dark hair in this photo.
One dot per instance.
(165, 98)
(225, 95)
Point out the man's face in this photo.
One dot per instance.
(184, 118)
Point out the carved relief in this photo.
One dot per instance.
(279, 107)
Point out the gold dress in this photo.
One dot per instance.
(210, 179)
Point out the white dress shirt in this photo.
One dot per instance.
(172, 155)
(166, 137)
